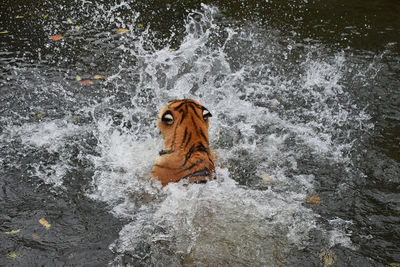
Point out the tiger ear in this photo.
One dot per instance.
(167, 118)
(206, 114)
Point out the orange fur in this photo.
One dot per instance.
(186, 154)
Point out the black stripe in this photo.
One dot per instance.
(186, 101)
(194, 111)
(184, 136)
(191, 166)
(183, 116)
(199, 106)
(201, 148)
(188, 155)
(203, 135)
(194, 124)
(180, 105)
(199, 173)
(212, 162)
(184, 113)
(163, 152)
(189, 139)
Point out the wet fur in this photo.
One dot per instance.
(186, 153)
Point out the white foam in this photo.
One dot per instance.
(341, 233)
(219, 219)
(122, 166)
(48, 137)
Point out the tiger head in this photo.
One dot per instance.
(186, 154)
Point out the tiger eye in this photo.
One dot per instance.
(206, 114)
(167, 118)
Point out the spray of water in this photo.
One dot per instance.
(275, 101)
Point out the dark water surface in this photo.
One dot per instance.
(305, 97)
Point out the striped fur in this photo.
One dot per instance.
(186, 154)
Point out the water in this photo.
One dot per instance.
(305, 106)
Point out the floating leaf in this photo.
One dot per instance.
(119, 31)
(13, 232)
(77, 27)
(46, 16)
(70, 21)
(394, 264)
(266, 178)
(44, 223)
(78, 78)
(328, 258)
(56, 37)
(35, 236)
(314, 200)
(38, 116)
(19, 17)
(4, 32)
(86, 82)
(71, 256)
(141, 25)
(99, 77)
(14, 255)
(274, 103)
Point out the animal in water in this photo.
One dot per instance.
(186, 154)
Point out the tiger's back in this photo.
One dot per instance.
(186, 154)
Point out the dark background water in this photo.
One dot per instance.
(367, 30)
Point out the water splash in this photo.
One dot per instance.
(276, 112)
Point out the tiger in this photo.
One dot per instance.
(186, 154)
